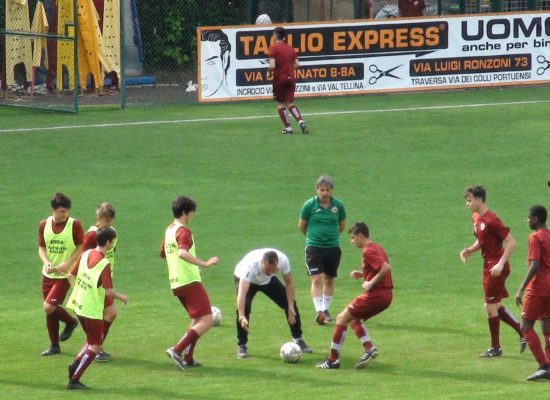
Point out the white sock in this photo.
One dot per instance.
(318, 304)
(326, 302)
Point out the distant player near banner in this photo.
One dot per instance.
(282, 64)
(490, 234)
(536, 285)
(105, 214)
(178, 247)
(59, 245)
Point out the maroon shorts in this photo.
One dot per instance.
(55, 290)
(369, 304)
(283, 89)
(194, 298)
(494, 287)
(535, 308)
(93, 329)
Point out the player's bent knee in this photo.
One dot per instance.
(49, 308)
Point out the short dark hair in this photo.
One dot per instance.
(104, 234)
(477, 191)
(270, 257)
(280, 33)
(359, 228)
(59, 200)
(539, 212)
(105, 210)
(217, 35)
(183, 205)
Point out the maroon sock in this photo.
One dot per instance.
(189, 339)
(508, 318)
(361, 334)
(283, 116)
(547, 346)
(52, 323)
(62, 315)
(295, 113)
(106, 326)
(534, 344)
(338, 337)
(188, 352)
(494, 328)
(85, 361)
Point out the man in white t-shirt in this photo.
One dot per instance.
(256, 272)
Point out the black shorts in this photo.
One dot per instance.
(321, 260)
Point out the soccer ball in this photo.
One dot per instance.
(216, 316)
(263, 19)
(290, 352)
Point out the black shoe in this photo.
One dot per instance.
(53, 349)
(102, 356)
(542, 373)
(76, 385)
(491, 352)
(329, 364)
(68, 331)
(320, 318)
(242, 351)
(303, 346)
(192, 364)
(522, 344)
(177, 358)
(72, 369)
(366, 358)
(304, 127)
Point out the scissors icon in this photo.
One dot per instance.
(374, 69)
(542, 69)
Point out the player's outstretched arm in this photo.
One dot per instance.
(290, 296)
(113, 294)
(241, 296)
(185, 255)
(468, 251)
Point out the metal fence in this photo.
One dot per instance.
(151, 46)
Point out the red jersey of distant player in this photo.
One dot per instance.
(490, 233)
(284, 81)
(539, 250)
(373, 258)
(411, 8)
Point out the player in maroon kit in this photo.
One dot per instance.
(282, 63)
(536, 286)
(490, 234)
(57, 254)
(377, 286)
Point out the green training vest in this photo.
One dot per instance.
(110, 254)
(87, 300)
(180, 272)
(59, 246)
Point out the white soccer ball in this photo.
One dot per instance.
(290, 352)
(216, 316)
(263, 19)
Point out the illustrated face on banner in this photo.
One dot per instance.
(215, 61)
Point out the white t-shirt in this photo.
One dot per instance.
(249, 268)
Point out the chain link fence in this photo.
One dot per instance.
(150, 45)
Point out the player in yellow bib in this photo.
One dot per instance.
(178, 247)
(91, 278)
(59, 245)
(105, 214)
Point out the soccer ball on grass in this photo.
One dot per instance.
(290, 352)
(216, 316)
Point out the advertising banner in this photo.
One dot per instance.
(354, 57)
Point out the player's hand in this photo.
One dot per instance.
(464, 254)
(123, 298)
(519, 297)
(212, 261)
(61, 268)
(356, 274)
(497, 269)
(291, 316)
(244, 324)
(48, 268)
(367, 285)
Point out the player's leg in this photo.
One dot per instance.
(281, 110)
(109, 315)
(315, 270)
(295, 112)
(494, 291)
(56, 290)
(545, 327)
(338, 337)
(532, 310)
(331, 263)
(94, 337)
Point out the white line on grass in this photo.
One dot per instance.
(188, 121)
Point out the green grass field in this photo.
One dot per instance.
(402, 171)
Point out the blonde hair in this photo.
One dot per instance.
(105, 210)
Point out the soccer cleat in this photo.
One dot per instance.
(76, 385)
(366, 358)
(303, 346)
(242, 351)
(193, 363)
(72, 369)
(491, 352)
(68, 331)
(304, 127)
(53, 349)
(327, 364)
(287, 131)
(542, 373)
(328, 317)
(177, 358)
(320, 318)
(102, 356)
(522, 344)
